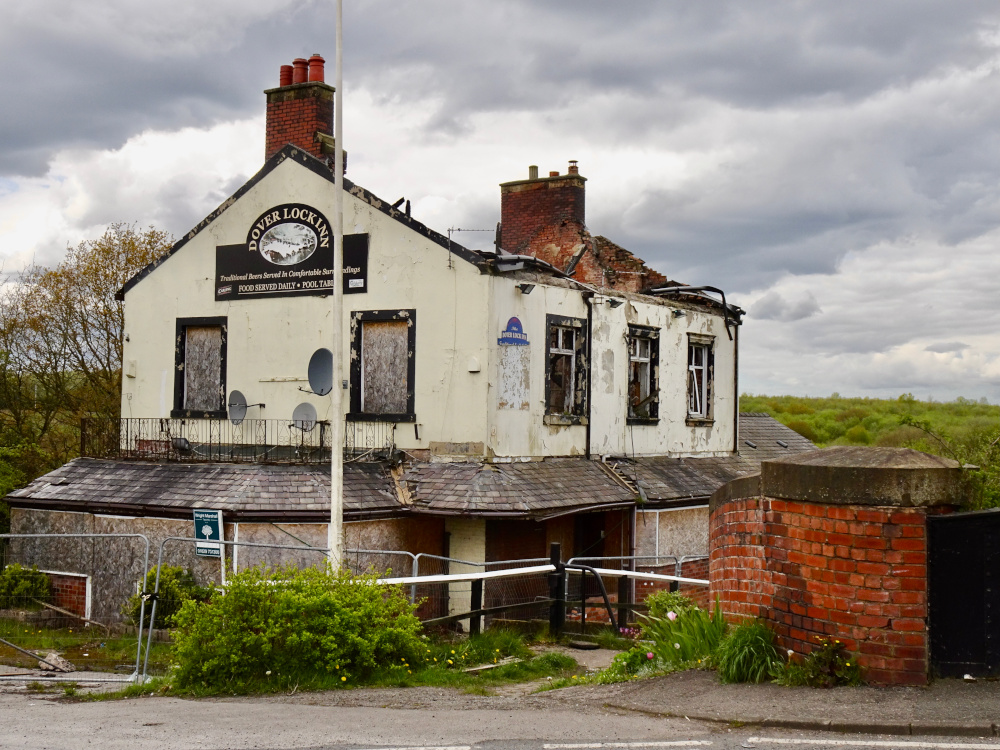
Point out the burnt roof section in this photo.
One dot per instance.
(319, 167)
(246, 492)
(682, 481)
(280, 492)
(535, 489)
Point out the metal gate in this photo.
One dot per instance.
(964, 593)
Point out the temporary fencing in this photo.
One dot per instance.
(47, 607)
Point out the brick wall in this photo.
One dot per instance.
(854, 573)
(833, 543)
(295, 114)
(69, 592)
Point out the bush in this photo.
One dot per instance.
(177, 586)
(668, 601)
(19, 586)
(689, 635)
(827, 665)
(274, 628)
(748, 654)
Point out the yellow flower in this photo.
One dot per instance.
(343, 679)
(848, 663)
(409, 671)
(450, 661)
(453, 651)
(435, 658)
(402, 659)
(574, 677)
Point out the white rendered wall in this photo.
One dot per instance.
(270, 341)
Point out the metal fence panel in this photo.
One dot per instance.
(67, 616)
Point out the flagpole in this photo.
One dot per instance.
(335, 529)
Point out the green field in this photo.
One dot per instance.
(965, 430)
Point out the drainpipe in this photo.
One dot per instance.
(588, 297)
(736, 391)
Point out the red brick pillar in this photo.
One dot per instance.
(834, 543)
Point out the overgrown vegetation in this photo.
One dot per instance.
(749, 653)
(827, 665)
(61, 332)
(177, 586)
(281, 627)
(22, 587)
(964, 430)
(679, 635)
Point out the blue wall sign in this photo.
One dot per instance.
(513, 334)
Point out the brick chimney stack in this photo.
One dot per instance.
(300, 110)
(544, 216)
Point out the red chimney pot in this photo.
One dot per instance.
(316, 63)
(299, 70)
(553, 174)
(285, 77)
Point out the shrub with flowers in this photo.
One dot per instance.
(688, 635)
(272, 628)
(827, 665)
(679, 639)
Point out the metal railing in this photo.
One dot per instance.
(220, 440)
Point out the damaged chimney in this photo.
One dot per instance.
(544, 216)
(300, 110)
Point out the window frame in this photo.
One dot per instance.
(706, 378)
(180, 374)
(358, 319)
(580, 370)
(651, 336)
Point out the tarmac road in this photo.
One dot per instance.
(44, 723)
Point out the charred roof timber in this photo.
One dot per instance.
(731, 313)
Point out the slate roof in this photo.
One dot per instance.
(535, 489)
(675, 481)
(272, 492)
(243, 491)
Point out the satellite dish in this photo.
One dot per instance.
(321, 372)
(304, 417)
(237, 407)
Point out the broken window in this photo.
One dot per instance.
(382, 365)
(200, 360)
(643, 366)
(566, 381)
(700, 370)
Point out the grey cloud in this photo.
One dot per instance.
(947, 347)
(773, 306)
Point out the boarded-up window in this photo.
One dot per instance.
(384, 366)
(203, 389)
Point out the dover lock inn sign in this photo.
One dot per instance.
(288, 252)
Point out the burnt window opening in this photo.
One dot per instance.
(566, 368)
(643, 374)
(383, 356)
(200, 368)
(701, 370)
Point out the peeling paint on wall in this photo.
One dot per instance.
(515, 372)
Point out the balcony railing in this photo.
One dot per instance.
(219, 440)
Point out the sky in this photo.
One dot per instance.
(834, 167)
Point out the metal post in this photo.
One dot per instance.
(623, 594)
(583, 599)
(475, 622)
(557, 591)
(335, 531)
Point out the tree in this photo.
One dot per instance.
(61, 333)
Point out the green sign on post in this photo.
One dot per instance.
(208, 526)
